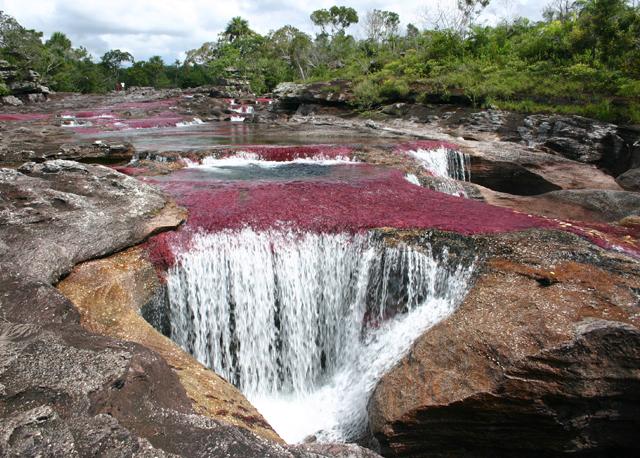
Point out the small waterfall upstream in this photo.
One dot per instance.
(305, 324)
(451, 165)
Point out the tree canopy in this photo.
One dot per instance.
(583, 57)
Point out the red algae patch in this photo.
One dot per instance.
(375, 198)
(130, 115)
(385, 200)
(131, 171)
(23, 116)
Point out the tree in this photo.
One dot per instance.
(22, 47)
(609, 29)
(559, 10)
(236, 28)
(458, 20)
(293, 46)
(412, 31)
(57, 54)
(381, 26)
(58, 42)
(112, 61)
(338, 18)
(202, 55)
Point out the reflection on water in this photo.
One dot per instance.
(267, 171)
(199, 137)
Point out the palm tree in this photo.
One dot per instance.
(236, 28)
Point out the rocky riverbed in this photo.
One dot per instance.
(105, 202)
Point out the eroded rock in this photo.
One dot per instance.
(610, 205)
(541, 358)
(110, 293)
(580, 139)
(337, 92)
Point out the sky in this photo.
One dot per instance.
(168, 28)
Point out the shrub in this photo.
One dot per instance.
(366, 94)
(394, 90)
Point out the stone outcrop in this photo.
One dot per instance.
(611, 205)
(333, 93)
(540, 359)
(97, 152)
(22, 88)
(91, 377)
(63, 390)
(579, 139)
(630, 180)
(112, 294)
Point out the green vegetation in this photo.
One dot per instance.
(583, 58)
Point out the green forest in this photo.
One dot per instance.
(582, 58)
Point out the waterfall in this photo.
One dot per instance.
(248, 158)
(451, 165)
(305, 324)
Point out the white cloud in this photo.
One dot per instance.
(168, 28)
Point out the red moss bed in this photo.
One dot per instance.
(23, 116)
(131, 171)
(384, 200)
(375, 200)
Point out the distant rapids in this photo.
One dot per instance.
(305, 324)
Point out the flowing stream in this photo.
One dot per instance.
(305, 324)
(450, 165)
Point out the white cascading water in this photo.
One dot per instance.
(244, 159)
(305, 324)
(451, 165)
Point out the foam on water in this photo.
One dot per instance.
(245, 159)
(411, 178)
(193, 122)
(305, 324)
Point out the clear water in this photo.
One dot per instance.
(203, 136)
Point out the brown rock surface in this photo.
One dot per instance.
(541, 358)
(65, 391)
(109, 293)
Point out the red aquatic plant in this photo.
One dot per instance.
(23, 116)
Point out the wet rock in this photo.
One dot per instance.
(630, 180)
(540, 359)
(110, 295)
(100, 152)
